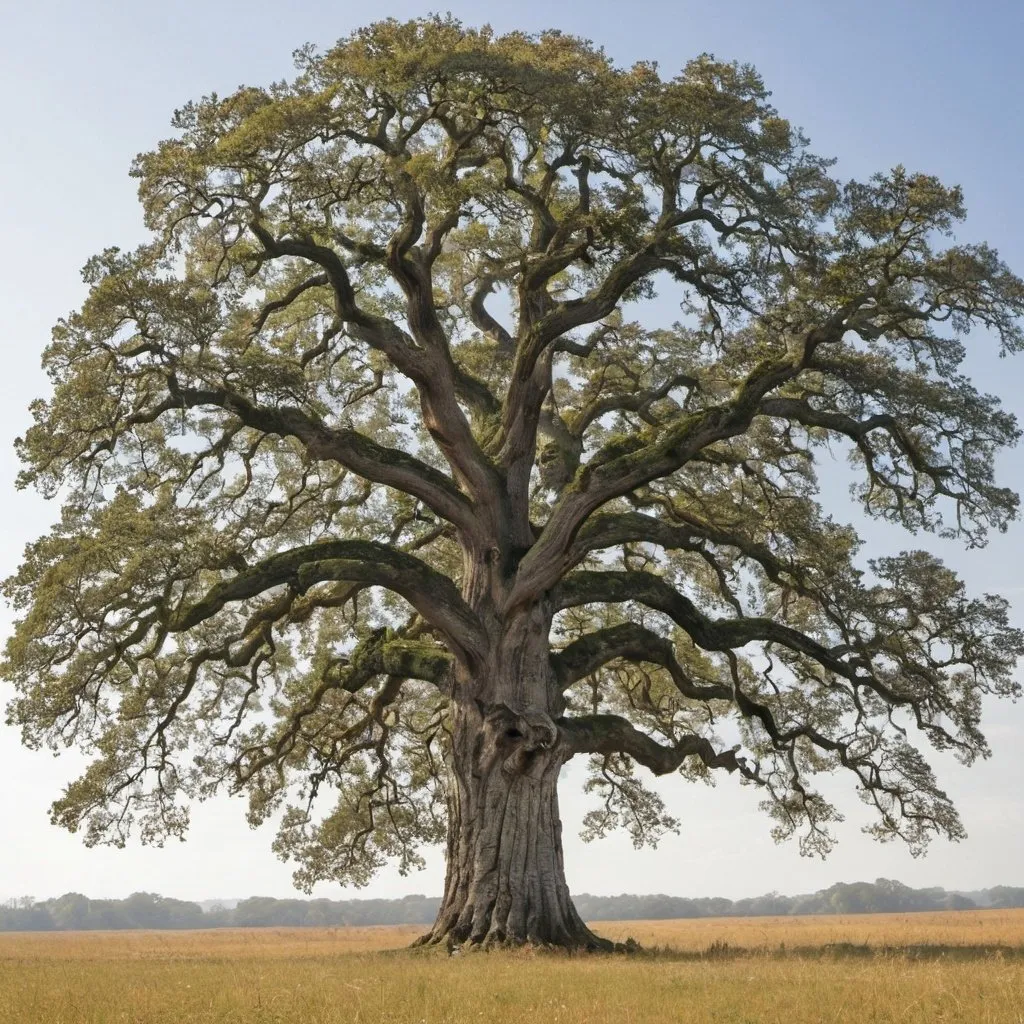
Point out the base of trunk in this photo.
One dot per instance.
(526, 922)
(571, 936)
(585, 942)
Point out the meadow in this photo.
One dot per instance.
(963, 966)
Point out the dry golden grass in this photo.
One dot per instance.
(793, 970)
(960, 928)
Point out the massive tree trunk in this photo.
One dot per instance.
(506, 879)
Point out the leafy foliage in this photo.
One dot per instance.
(385, 375)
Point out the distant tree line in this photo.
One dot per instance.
(73, 911)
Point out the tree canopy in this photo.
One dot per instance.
(385, 426)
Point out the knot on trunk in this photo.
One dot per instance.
(516, 738)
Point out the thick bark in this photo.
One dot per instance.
(506, 881)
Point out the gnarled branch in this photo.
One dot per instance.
(434, 596)
(613, 734)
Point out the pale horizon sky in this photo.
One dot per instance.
(937, 86)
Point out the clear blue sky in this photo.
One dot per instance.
(937, 86)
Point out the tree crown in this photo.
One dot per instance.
(394, 325)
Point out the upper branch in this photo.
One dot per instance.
(584, 587)
(859, 431)
(434, 596)
(425, 359)
(349, 448)
(656, 453)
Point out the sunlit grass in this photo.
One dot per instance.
(967, 966)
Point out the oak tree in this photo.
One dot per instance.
(388, 486)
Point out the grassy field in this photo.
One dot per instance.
(966, 966)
